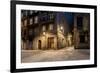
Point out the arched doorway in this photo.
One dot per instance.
(39, 44)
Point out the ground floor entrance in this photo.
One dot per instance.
(50, 41)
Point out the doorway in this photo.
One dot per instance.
(50, 42)
(82, 38)
(39, 44)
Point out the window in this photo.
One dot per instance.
(21, 23)
(36, 19)
(25, 22)
(51, 26)
(82, 38)
(22, 14)
(31, 21)
(31, 12)
(43, 28)
(35, 30)
(30, 32)
(51, 16)
(26, 13)
(79, 22)
(35, 11)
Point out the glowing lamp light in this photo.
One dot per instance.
(61, 27)
(44, 33)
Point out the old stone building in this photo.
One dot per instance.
(43, 30)
(82, 30)
(50, 30)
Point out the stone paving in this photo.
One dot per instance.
(65, 54)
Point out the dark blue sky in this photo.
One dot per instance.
(69, 17)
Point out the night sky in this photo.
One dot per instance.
(69, 17)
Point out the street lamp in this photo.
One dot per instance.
(44, 33)
(61, 27)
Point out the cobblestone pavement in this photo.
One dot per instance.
(65, 54)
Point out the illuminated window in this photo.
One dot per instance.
(36, 19)
(43, 28)
(25, 22)
(31, 21)
(51, 26)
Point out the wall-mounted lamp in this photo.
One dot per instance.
(44, 33)
(61, 27)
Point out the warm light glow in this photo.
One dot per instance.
(69, 39)
(61, 28)
(44, 28)
(43, 33)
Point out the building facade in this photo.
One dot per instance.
(43, 30)
(82, 30)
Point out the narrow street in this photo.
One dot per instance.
(65, 54)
